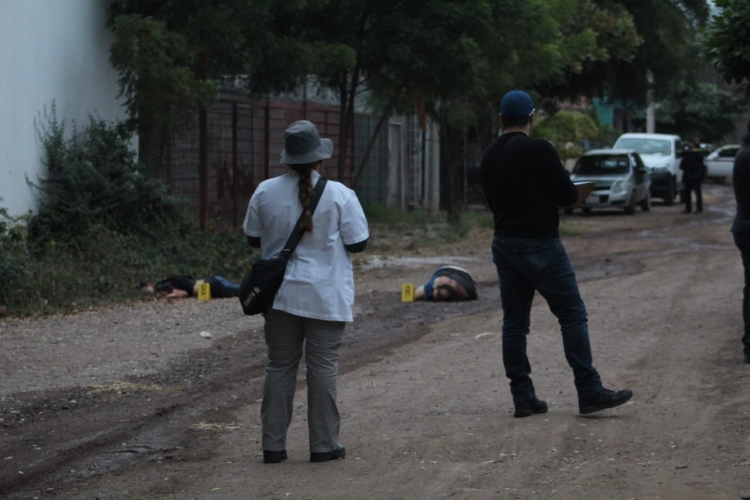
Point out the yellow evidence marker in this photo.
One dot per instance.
(204, 291)
(407, 292)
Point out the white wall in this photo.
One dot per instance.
(50, 50)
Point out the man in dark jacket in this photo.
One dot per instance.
(741, 227)
(693, 168)
(525, 184)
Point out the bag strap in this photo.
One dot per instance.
(298, 232)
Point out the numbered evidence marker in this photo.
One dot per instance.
(204, 291)
(407, 292)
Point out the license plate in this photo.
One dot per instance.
(591, 200)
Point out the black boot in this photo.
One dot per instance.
(339, 452)
(529, 407)
(605, 399)
(273, 457)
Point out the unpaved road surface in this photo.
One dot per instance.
(133, 403)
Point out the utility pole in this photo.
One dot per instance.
(650, 104)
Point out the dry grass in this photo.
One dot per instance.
(420, 234)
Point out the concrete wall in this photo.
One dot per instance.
(50, 50)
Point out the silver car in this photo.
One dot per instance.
(720, 163)
(621, 178)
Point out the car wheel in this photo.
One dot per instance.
(587, 211)
(630, 209)
(669, 199)
(568, 211)
(646, 202)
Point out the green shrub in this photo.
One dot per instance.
(103, 226)
(93, 179)
(15, 264)
(566, 130)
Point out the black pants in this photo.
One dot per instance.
(741, 233)
(690, 186)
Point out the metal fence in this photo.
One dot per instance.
(246, 136)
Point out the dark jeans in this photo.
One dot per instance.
(741, 233)
(526, 265)
(222, 288)
(690, 186)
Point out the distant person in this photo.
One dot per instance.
(741, 228)
(449, 283)
(693, 168)
(524, 183)
(316, 297)
(183, 286)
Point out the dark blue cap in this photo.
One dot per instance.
(516, 103)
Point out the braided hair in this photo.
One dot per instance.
(306, 191)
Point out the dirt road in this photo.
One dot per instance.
(133, 403)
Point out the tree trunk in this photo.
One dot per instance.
(343, 136)
(450, 159)
(203, 166)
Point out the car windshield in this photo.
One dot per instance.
(645, 146)
(602, 165)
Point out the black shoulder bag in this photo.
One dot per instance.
(260, 284)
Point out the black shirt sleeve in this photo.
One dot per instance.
(356, 247)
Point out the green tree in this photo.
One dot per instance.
(728, 42)
(532, 45)
(641, 37)
(699, 109)
(174, 55)
(160, 88)
(567, 130)
(395, 52)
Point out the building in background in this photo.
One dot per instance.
(50, 51)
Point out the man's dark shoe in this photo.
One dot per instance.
(339, 452)
(605, 399)
(273, 457)
(529, 408)
(747, 357)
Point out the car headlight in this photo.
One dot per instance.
(620, 186)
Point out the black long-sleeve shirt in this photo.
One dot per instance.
(525, 184)
(741, 181)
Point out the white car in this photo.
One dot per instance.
(660, 153)
(721, 161)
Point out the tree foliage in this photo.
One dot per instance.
(728, 42)
(642, 37)
(94, 181)
(699, 109)
(567, 131)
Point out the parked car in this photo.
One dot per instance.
(622, 180)
(661, 155)
(720, 162)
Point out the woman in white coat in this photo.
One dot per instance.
(315, 300)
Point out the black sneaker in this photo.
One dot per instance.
(273, 457)
(605, 399)
(529, 408)
(339, 452)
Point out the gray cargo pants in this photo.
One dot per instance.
(285, 336)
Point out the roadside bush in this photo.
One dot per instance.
(93, 179)
(567, 130)
(15, 264)
(103, 226)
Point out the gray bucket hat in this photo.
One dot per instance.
(302, 144)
